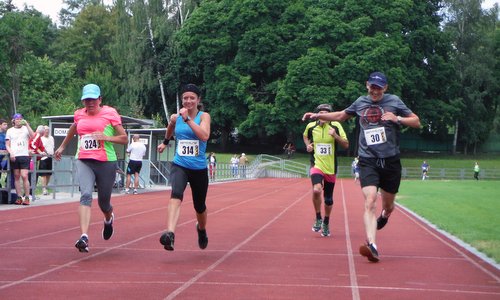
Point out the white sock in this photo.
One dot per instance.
(110, 220)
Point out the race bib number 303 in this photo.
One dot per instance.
(188, 147)
(89, 143)
(375, 136)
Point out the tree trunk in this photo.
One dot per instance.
(454, 150)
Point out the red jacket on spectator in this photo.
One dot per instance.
(36, 146)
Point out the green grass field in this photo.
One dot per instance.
(465, 208)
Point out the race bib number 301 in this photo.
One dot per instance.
(375, 136)
(88, 142)
(188, 147)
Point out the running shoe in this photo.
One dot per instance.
(45, 192)
(26, 201)
(82, 244)
(369, 252)
(107, 231)
(325, 229)
(202, 237)
(135, 192)
(127, 191)
(167, 240)
(317, 225)
(381, 221)
(19, 201)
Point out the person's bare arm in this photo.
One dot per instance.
(338, 116)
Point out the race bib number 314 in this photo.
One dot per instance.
(188, 147)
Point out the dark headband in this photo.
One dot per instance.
(191, 88)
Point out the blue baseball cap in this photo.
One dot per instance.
(17, 116)
(91, 91)
(378, 79)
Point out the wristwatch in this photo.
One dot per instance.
(399, 120)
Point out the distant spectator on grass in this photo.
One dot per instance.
(476, 171)
(425, 170)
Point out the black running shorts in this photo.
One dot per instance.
(384, 173)
(134, 166)
(21, 163)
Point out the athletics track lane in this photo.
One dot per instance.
(260, 247)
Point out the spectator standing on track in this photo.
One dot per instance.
(425, 170)
(136, 151)
(17, 143)
(46, 161)
(242, 162)
(3, 148)
(322, 139)
(234, 165)
(476, 171)
(380, 118)
(192, 130)
(98, 127)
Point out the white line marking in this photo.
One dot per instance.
(350, 257)
(408, 213)
(193, 280)
(106, 250)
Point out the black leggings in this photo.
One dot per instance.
(198, 180)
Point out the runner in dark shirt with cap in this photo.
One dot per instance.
(380, 118)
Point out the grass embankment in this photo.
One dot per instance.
(467, 209)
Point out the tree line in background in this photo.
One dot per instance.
(261, 63)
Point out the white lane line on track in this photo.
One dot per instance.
(350, 256)
(106, 250)
(458, 291)
(413, 217)
(193, 280)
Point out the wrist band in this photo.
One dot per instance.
(165, 142)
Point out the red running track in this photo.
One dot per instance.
(260, 247)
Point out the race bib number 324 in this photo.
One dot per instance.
(188, 147)
(88, 142)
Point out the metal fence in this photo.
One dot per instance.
(64, 180)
